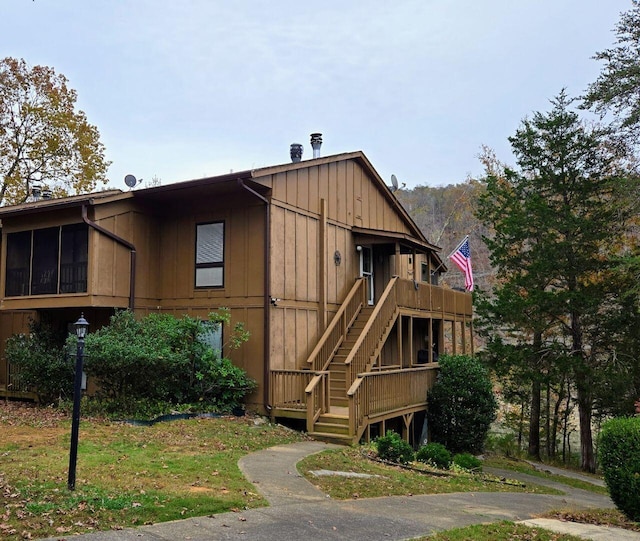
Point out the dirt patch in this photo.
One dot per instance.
(26, 424)
(200, 490)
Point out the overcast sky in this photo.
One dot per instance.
(183, 89)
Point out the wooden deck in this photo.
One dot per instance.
(344, 388)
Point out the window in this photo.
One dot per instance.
(424, 272)
(212, 336)
(210, 255)
(47, 261)
(429, 278)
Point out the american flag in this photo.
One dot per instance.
(461, 256)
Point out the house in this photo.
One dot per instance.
(334, 280)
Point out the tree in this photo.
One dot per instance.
(617, 88)
(461, 404)
(556, 224)
(43, 138)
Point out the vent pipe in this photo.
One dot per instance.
(316, 143)
(296, 152)
(36, 190)
(47, 194)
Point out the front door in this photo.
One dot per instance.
(366, 271)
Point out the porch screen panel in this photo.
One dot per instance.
(18, 264)
(44, 276)
(210, 255)
(74, 255)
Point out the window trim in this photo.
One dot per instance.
(210, 264)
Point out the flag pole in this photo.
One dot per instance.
(457, 247)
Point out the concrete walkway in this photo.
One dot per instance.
(298, 510)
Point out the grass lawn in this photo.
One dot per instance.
(392, 480)
(133, 475)
(126, 475)
(500, 531)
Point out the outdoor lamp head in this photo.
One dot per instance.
(81, 326)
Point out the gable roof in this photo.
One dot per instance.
(363, 161)
(221, 184)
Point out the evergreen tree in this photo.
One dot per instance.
(554, 221)
(617, 88)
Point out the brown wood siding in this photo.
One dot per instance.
(353, 198)
(110, 262)
(294, 332)
(243, 254)
(294, 255)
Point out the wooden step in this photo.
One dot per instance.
(329, 428)
(340, 401)
(331, 418)
(339, 439)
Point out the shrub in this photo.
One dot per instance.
(393, 448)
(461, 404)
(435, 454)
(160, 358)
(620, 459)
(467, 461)
(505, 444)
(42, 363)
(139, 365)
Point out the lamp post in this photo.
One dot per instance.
(81, 331)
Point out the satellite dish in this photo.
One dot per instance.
(394, 183)
(130, 181)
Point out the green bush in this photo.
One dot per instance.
(435, 454)
(42, 363)
(504, 444)
(160, 358)
(467, 461)
(461, 404)
(393, 448)
(619, 445)
(152, 364)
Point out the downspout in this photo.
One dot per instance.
(122, 242)
(267, 295)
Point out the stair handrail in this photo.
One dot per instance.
(317, 402)
(387, 302)
(333, 335)
(357, 408)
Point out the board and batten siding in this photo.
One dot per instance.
(313, 209)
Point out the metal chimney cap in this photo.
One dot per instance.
(296, 152)
(316, 143)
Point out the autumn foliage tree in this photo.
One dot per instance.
(43, 137)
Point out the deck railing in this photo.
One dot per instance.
(376, 393)
(368, 343)
(334, 335)
(288, 388)
(420, 296)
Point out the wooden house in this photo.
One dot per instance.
(334, 280)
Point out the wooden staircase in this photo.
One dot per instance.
(339, 386)
(333, 425)
(360, 344)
